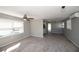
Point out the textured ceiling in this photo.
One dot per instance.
(40, 12)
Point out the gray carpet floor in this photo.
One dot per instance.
(50, 43)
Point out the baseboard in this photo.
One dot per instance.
(37, 36)
(72, 42)
(75, 43)
(14, 41)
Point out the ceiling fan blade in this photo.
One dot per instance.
(28, 19)
(31, 18)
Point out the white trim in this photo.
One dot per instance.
(72, 41)
(14, 41)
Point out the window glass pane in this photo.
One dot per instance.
(69, 24)
(4, 24)
(61, 25)
(18, 26)
(49, 27)
(10, 27)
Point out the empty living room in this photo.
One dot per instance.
(39, 28)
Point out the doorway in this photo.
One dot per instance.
(49, 27)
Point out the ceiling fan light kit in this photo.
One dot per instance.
(24, 19)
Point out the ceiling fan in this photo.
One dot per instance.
(26, 18)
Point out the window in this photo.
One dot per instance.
(69, 24)
(49, 27)
(10, 27)
(61, 25)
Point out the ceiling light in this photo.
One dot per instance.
(25, 19)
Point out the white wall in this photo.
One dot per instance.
(73, 34)
(13, 38)
(37, 28)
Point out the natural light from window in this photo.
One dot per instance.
(61, 25)
(14, 47)
(49, 27)
(69, 24)
(10, 27)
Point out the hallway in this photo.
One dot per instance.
(50, 43)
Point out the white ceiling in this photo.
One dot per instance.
(40, 12)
